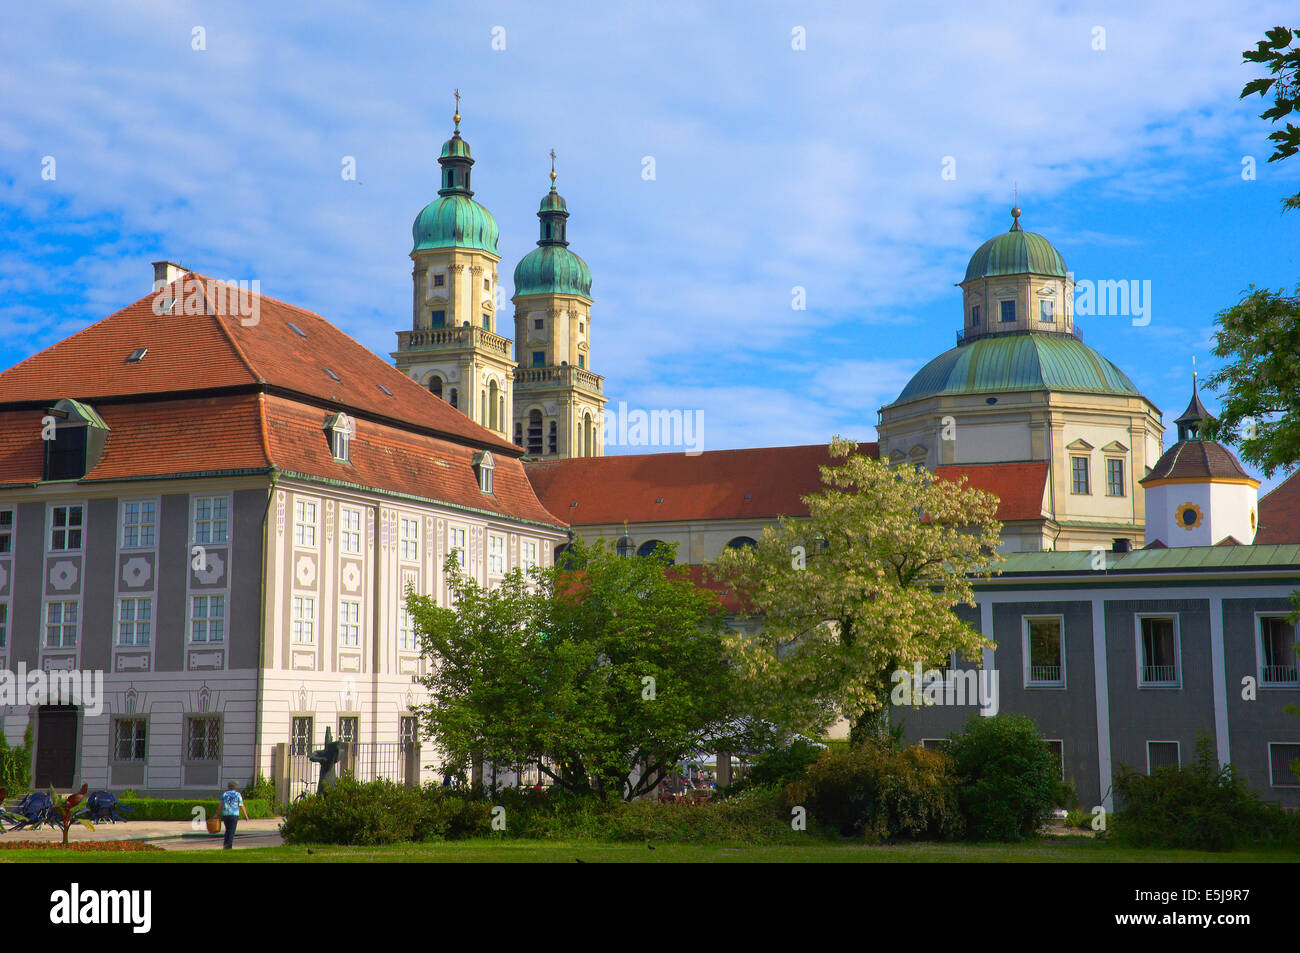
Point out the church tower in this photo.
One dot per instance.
(453, 347)
(1198, 494)
(559, 405)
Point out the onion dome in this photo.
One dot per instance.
(551, 268)
(454, 219)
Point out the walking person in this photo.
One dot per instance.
(232, 805)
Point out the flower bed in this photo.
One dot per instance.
(84, 846)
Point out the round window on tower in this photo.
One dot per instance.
(1189, 516)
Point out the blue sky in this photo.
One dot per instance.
(775, 167)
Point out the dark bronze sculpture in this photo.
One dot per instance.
(326, 757)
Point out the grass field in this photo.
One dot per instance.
(1050, 850)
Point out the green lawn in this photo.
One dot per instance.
(1051, 850)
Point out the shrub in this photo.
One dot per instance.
(877, 793)
(161, 809)
(16, 763)
(784, 764)
(358, 814)
(1200, 806)
(1007, 777)
(261, 788)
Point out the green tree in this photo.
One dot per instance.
(862, 587)
(607, 677)
(1284, 63)
(1260, 383)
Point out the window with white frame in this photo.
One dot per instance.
(134, 621)
(4, 623)
(1079, 475)
(456, 544)
(65, 528)
(1114, 476)
(1162, 754)
(304, 619)
(304, 523)
(405, 630)
(528, 555)
(350, 530)
(496, 555)
(207, 618)
(1157, 648)
(139, 524)
(1283, 759)
(349, 622)
(129, 739)
(61, 623)
(410, 537)
(211, 519)
(6, 531)
(1277, 661)
(1044, 652)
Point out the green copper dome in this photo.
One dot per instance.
(455, 221)
(1016, 252)
(552, 269)
(455, 147)
(1023, 361)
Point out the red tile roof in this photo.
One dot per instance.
(1018, 486)
(709, 486)
(212, 395)
(188, 353)
(1279, 513)
(398, 461)
(1197, 460)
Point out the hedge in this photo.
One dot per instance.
(159, 809)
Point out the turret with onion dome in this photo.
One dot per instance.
(551, 268)
(453, 347)
(559, 400)
(454, 219)
(1198, 493)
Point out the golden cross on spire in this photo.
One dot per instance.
(456, 118)
(552, 168)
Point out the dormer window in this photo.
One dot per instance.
(340, 428)
(74, 437)
(483, 467)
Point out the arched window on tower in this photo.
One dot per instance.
(535, 432)
(435, 385)
(589, 437)
(455, 401)
(493, 421)
(519, 435)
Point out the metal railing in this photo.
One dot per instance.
(372, 760)
(965, 337)
(1045, 673)
(1158, 674)
(1280, 675)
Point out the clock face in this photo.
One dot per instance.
(1189, 516)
